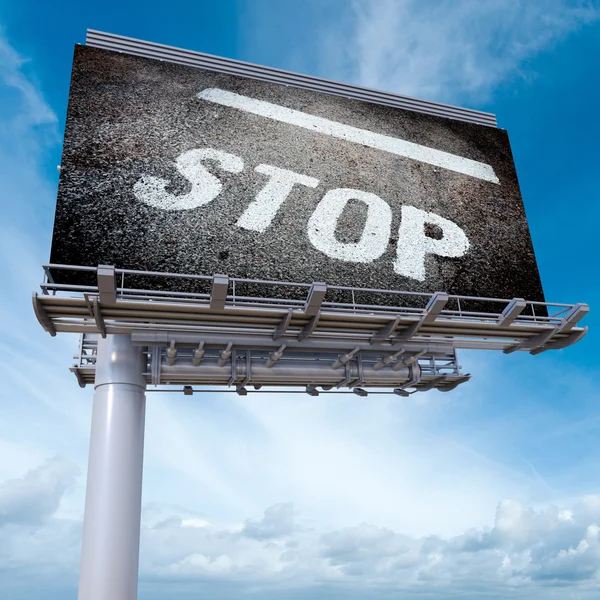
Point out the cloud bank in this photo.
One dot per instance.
(528, 552)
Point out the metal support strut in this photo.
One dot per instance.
(111, 526)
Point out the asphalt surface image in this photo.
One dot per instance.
(173, 168)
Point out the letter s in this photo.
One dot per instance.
(205, 186)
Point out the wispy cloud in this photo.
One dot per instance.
(446, 50)
(33, 108)
(28, 137)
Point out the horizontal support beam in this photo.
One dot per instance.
(242, 342)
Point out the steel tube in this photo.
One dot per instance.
(282, 371)
(111, 527)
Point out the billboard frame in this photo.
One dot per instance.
(137, 47)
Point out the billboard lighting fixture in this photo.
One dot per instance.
(188, 390)
(275, 356)
(241, 390)
(171, 353)
(198, 354)
(360, 392)
(344, 358)
(225, 354)
(408, 361)
(311, 390)
(387, 360)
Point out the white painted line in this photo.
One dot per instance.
(438, 158)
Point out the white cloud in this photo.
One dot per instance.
(37, 495)
(277, 522)
(446, 50)
(526, 553)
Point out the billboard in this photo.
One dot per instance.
(168, 167)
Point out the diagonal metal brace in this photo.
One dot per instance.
(309, 327)
(386, 330)
(283, 325)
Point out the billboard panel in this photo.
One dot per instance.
(174, 168)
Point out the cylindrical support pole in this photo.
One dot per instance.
(111, 525)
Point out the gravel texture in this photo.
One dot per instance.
(131, 117)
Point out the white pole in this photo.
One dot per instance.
(111, 525)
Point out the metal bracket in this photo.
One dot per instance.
(233, 370)
(275, 356)
(388, 359)
(574, 316)
(198, 354)
(414, 371)
(453, 383)
(538, 343)
(435, 306)
(98, 318)
(342, 359)
(248, 376)
(107, 284)
(409, 360)
(75, 371)
(155, 364)
(309, 327)
(283, 325)
(171, 353)
(315, 298)
(225, 354)
(347, 378)
(361, 372)
(386, 331)
(218, 292)
(567, 341)
(514, 308)
(41, 315)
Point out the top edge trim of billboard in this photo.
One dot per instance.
(118, 43)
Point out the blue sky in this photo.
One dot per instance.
(491, 490)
